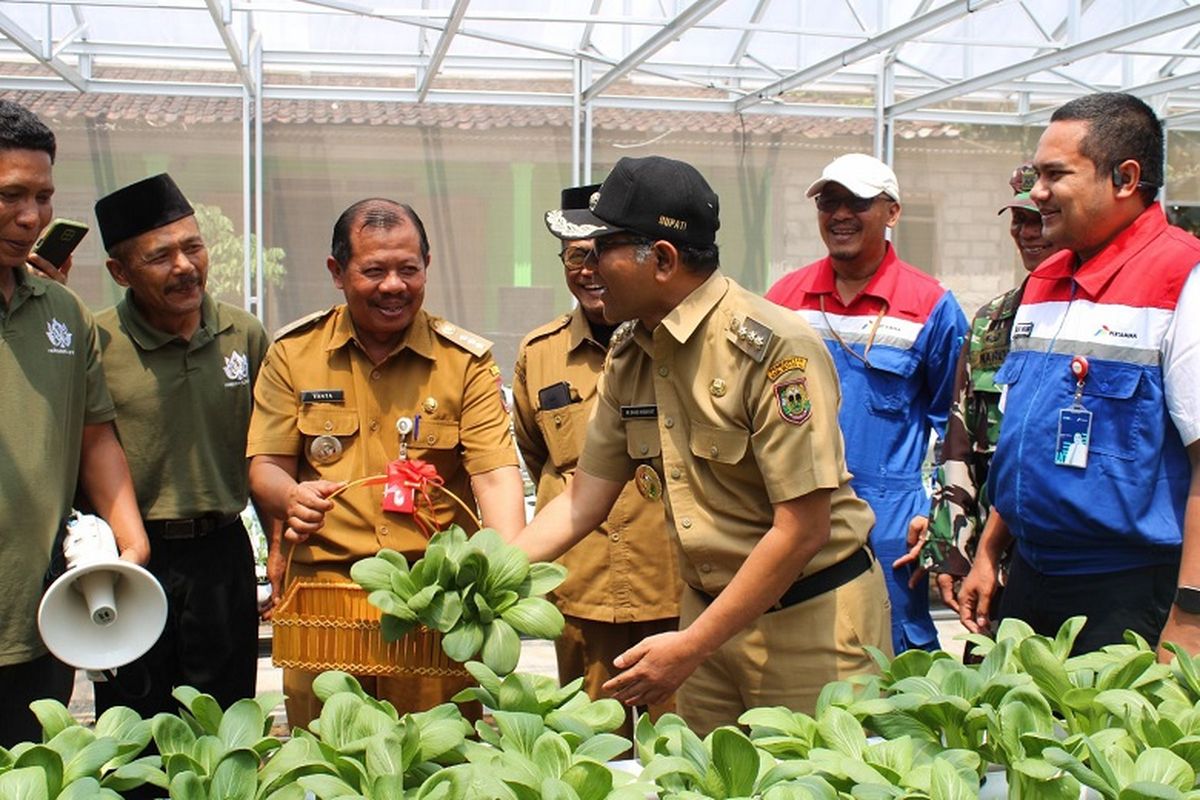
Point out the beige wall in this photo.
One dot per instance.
(482, 194)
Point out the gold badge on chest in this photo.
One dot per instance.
(649, 485)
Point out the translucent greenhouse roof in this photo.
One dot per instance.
(984, 61)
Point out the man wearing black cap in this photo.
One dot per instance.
(181, 369)
(622, 581)
(57, 431)
(723, 406)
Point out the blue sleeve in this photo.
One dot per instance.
(946, 330)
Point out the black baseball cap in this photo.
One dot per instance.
(654, 196)
(578, 197)
(139, 207)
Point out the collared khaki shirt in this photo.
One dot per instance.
(183, 406)
(51, 386)
(627, 569)
(316, 381)
(734, 402)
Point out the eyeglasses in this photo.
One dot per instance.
(827, 204)
(575, 258)
(606, 243)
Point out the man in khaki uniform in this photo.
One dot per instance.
(334, 387)
(57, 433)
(181, 369)
(726, 405)
(623, 580)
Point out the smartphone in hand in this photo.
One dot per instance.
(60, 238)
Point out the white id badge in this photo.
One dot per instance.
(1074, 433)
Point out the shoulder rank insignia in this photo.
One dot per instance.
(553, 326)
(750, 336)
(475, 345)
(304, 322)
(621, 337)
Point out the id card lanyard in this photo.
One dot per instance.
(1074, 423)
(870, 336)
(403, 483)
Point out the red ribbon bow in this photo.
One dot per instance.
(415, 473)
(406, 482)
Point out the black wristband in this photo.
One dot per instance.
(1187, 598)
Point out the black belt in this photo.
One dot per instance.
(189, 528)
(821, 582)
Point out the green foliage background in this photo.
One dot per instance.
(225, 254)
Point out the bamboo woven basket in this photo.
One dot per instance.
(323, 625)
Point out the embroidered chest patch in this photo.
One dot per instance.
(793, 402)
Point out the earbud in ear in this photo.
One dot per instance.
(1117, 178)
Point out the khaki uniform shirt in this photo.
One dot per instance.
(51, 385)
(733, 401)
(183, 407)
(627, 569)
(317, 381)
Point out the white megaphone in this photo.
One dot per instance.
(102, 613)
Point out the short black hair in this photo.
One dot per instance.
(374, 212)
(20, 129)
(1120, 127)
(701, 260)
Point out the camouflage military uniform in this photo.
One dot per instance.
(960, 500)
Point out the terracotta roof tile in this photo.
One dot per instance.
(178, 109)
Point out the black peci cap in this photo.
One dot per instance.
(139, 207)
(653, 196)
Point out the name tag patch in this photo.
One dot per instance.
(322, 396)
(639, 412)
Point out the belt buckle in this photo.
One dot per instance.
(179, 529)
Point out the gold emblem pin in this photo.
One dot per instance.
(325, 450)
(717, 387)
(430, 405)
(649, 485)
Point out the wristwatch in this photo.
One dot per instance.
(1187, 598)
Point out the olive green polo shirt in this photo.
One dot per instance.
(183, 406)
(51, 385)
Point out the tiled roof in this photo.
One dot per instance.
(155, 110)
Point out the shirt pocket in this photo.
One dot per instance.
(1008, 374)
(641, 439)
(720, 445)
(436, 434)
(888, 381)
(565, 430)
(1119, 409)
(322, 420)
